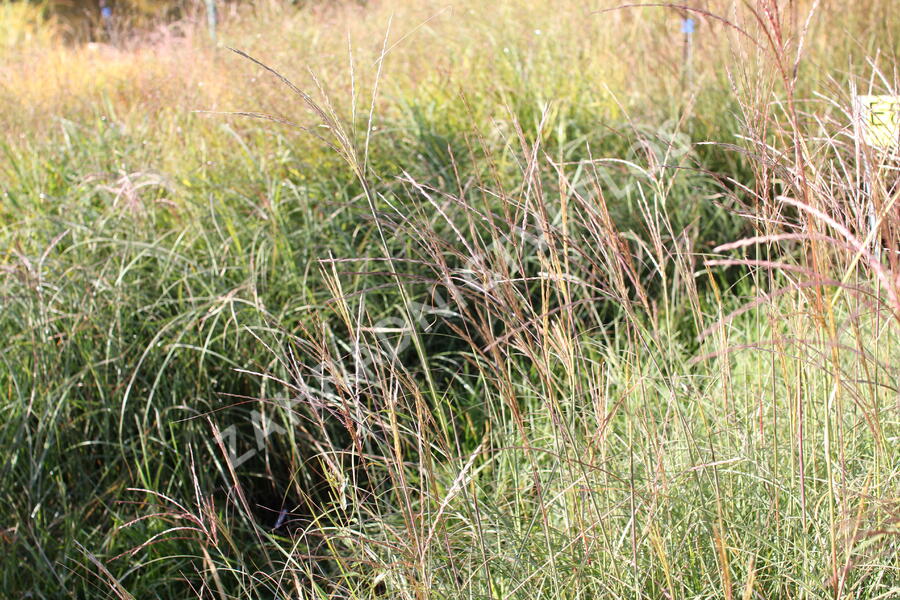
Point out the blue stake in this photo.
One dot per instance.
(211, 18)
(687, 28)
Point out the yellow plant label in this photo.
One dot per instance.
(880, 120)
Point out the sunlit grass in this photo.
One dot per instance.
(472, 315)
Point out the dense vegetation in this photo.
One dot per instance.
(505, 300)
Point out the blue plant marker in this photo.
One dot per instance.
(106, 13)
(687, 26)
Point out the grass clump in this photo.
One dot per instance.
(482, 307)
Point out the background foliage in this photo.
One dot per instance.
(515, 211)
